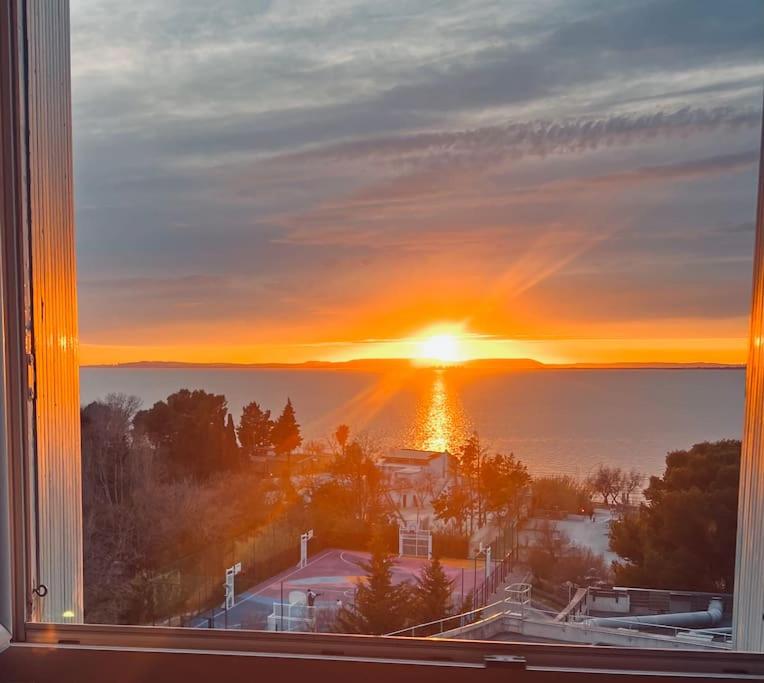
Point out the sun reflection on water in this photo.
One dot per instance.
(441, 424)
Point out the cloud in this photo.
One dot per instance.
(537, 138)
(276, 168)
(745, 227)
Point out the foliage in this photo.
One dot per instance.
(630, 482)
(684, 536)
(553, 559)
(561, 492)
(189, 431)
(138, 522)
(432, 593)
(471, 456)
(356, 471)
(254, 430)
(453, 505)
(614, 484)
(381, 606)
(605, 481)
(485, 485)
(341, 435)
(285, 435)
(504, 478)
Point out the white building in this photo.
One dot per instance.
(417, 476)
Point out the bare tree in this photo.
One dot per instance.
(607, 482)
(630, 482)
(423, 486)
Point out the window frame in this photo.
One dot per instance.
(17, 480)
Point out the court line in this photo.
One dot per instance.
(354, 565)
(249, 595)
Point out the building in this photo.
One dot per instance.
(417, 476)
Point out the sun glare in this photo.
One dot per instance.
(443, 348)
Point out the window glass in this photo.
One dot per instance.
(400, 317)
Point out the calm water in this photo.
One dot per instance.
(557, 421)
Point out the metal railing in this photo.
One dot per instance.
(430, 628)
(499, 573)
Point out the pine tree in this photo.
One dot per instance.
(432, 593)
(231, 451)
(285, 435)
(254, 430)
(380, 606)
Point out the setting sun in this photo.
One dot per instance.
(440, 347)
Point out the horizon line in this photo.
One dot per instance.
(520, 363)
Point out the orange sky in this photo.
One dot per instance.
(677, 350)
(539, 185)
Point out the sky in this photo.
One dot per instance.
(278, 181)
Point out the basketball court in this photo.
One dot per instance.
(334, 575)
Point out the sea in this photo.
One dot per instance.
(557, 421)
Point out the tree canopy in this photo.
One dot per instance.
(254, 430)
(486, 485)
(683, 537)
(189, 430)
(285, 434)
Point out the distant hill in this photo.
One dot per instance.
(388, 364)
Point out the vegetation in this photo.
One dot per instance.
(285, 433)
(561, 493)
(432, 593)
(486, 486)
(189, 432)
(614, 484)
(142, 512)
(554, 560)
(381, 606)
(683, 536)
(255, 430)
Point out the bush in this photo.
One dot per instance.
(554, 560)
(561, 492)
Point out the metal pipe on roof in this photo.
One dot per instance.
(693, 620)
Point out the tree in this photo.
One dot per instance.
(255, 426)
(231, 451)
(630, 482)
(114, 471)
(188, 429)
(106, 436)
(683, 537)
(549, 547)
(381, 606)
(423, 487)
(471, 457)
(285, 435)
(342, 435)
(562, 493)
(432, 593)
(554, 560)
(504, 479)
(358, 474)
(606, 481)
(138, 520)
(453, 504)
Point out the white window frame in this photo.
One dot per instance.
(24, 411)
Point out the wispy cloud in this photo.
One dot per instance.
(346, 169)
